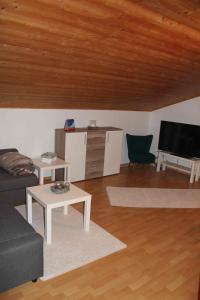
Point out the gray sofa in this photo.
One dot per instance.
(21, 248)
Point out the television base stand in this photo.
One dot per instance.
(165, 161)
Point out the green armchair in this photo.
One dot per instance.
(138, 149)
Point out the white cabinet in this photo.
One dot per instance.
(91, 153)
(113, 150)
(75, 153)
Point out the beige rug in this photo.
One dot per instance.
(154, 197)
(71, 246)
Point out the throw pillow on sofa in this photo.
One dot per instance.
(16, 163)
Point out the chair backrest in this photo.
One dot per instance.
(139, 143)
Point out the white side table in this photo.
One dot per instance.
(49, 200)
(56, 164)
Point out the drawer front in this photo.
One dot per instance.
(95, 154)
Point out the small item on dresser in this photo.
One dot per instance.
(69, 125)
(92, 124)
(60, 187)
(48, 157)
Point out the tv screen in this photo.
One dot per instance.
(179, 138)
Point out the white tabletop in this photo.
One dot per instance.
(55, 163)
(44, 195)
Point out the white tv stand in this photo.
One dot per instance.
(193, 169)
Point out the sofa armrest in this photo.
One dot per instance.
(2, 151)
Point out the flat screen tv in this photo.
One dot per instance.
(180, 139)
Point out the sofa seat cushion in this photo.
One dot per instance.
(13, 225)
(10, 182)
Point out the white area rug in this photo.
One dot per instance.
(71, 246)
(154, 197)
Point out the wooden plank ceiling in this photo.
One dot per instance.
(99, 54)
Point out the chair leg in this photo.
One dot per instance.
(153, 164)
(131, 165)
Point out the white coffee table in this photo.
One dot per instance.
(49, 200)
(56, 164)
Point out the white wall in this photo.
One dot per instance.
(32, 130)
(184, 112)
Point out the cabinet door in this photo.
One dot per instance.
(113, 149)
(75, 153)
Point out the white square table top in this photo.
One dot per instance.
(43, 195)
(57, 163)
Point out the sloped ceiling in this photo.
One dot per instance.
(99, 54)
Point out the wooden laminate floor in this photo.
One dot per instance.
(161, 262)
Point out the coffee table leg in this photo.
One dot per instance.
(29, 208)
(41, 177)
(48, 224)
(65, 174)
(65, 210)
(52, 175)
(68, 174)
(87, 208)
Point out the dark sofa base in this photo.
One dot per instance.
(13, 197)
(21, 249)
(21, 260)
